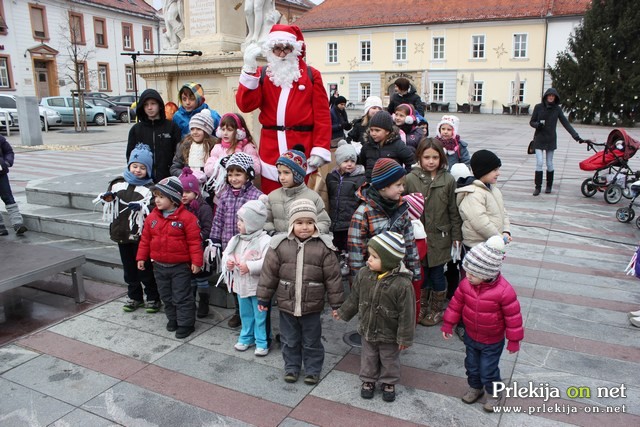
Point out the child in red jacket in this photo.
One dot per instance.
(489, 307)
(171, 239)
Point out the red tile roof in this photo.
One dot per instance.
(131, 6)
(334, 14)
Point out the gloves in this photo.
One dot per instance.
(108, 196)
(133, 206)
(251, 58)
(5, 167)
(347, 126)
(540, 125)
(315, 161)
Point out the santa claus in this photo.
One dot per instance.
(292, 102)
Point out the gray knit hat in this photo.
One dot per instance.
(254, 214)
(382, 120)
(390, 248)
(485, 260)
(171, 188)
(344, 152)
(202, 120)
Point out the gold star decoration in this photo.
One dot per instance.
(353, 63)
(418, 48)
(500, 50)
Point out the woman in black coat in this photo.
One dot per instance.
(544, 120)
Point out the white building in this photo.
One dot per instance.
(37, 44)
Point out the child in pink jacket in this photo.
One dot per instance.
(489, 307)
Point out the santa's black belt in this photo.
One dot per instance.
(303, 128)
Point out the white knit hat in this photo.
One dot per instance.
(485, 260)
(460, 170)
(372, 101)
(202, 120)
(450, 120)
(254, 214)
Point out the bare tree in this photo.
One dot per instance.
(75, 66)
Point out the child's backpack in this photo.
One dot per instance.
(633, 268)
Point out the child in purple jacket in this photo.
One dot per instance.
(238, 190)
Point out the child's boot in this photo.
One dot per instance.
(494, 402)
(472, 395)
(234, 321)
(538, 183)
(16, 218)
(549, 182)
(203, 305)
(436, 309)
(424, 304)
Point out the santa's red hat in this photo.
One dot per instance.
(286, 34)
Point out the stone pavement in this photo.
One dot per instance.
(106, 367)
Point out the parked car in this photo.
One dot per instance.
(125, 100)
(5, 114)
(96, 95)
(64, 106)
(8, 102)
(121, 110)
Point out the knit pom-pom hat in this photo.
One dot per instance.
(202, 120)
(189, 181)
(344, 152)
(254, 214)
(142, 154)
(390, 248)
(171, 188)
(485, 260)
(297, 162)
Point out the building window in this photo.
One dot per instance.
(401, 49)
(147, 39)
(127, 36)
(100, 31)
(5, 73)
(76, 28)
(332, 53)
(438, 48)
(520, 92)
(477, 92)
(82, 76)
(3, 22)
(128, 72)
(365, 91)
(519, 45)
(39, 27)
(365, 51)
(437, 91)
(477, 47)
(104, 83)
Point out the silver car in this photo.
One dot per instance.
(8, 102)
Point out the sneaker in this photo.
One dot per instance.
(184, 331)
(311, 379)
(472, 395)
(261, 352)
(132, 305)
(234, 321)
(172, 325)
(629, 315)
(291, 377)
(388, 392)
(635, 321)
(153, 306)
(493, 402)
(242, 347)
(367, 390)
(20, 229)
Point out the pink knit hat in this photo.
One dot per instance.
(189, 181)
(416, 204)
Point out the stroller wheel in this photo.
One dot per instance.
(625, 214)
(627, 193)
(588, 188)
(638, 222)
(613, 194)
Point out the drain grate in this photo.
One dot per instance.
(353, 339)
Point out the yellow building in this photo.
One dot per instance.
(486, 54)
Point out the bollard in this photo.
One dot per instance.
(46, 121)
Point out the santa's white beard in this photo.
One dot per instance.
(283, 71)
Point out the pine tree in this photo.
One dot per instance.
(599, 74)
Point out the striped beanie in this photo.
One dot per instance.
(385, 172)
(171, 188)
(302, 208)
(202, 120)
(485, 260)
(297, 162)
(390, 248)
(416, 204)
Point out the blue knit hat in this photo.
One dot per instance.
(297, 162)
(142, 154)
(385, 172)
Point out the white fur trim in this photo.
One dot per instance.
(323, 153)
(282, 36)
(281, 113)
(250, 82)
(269, 171)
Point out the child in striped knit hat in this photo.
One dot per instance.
(490, 309)
(382, 286)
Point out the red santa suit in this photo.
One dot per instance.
(297, 115)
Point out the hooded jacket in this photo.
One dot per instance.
(545, 136)
(182, 117)
(482, 212)
(488, 311)
(342, 196)
(393, 147)
(6, 155)
(411, 98)
(161, 135)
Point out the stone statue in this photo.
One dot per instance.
(261, 15)
(174, 22)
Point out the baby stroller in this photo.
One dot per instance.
(627, 214)
(611, 165)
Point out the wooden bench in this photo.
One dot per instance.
(22, 264)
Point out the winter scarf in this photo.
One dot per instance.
(388, 206)
(450, 144)
(133, 180)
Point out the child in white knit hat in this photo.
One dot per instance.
(194, 149)
(449, 136)
(372, 105)
(490, 309)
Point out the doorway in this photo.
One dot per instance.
(41, 71)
